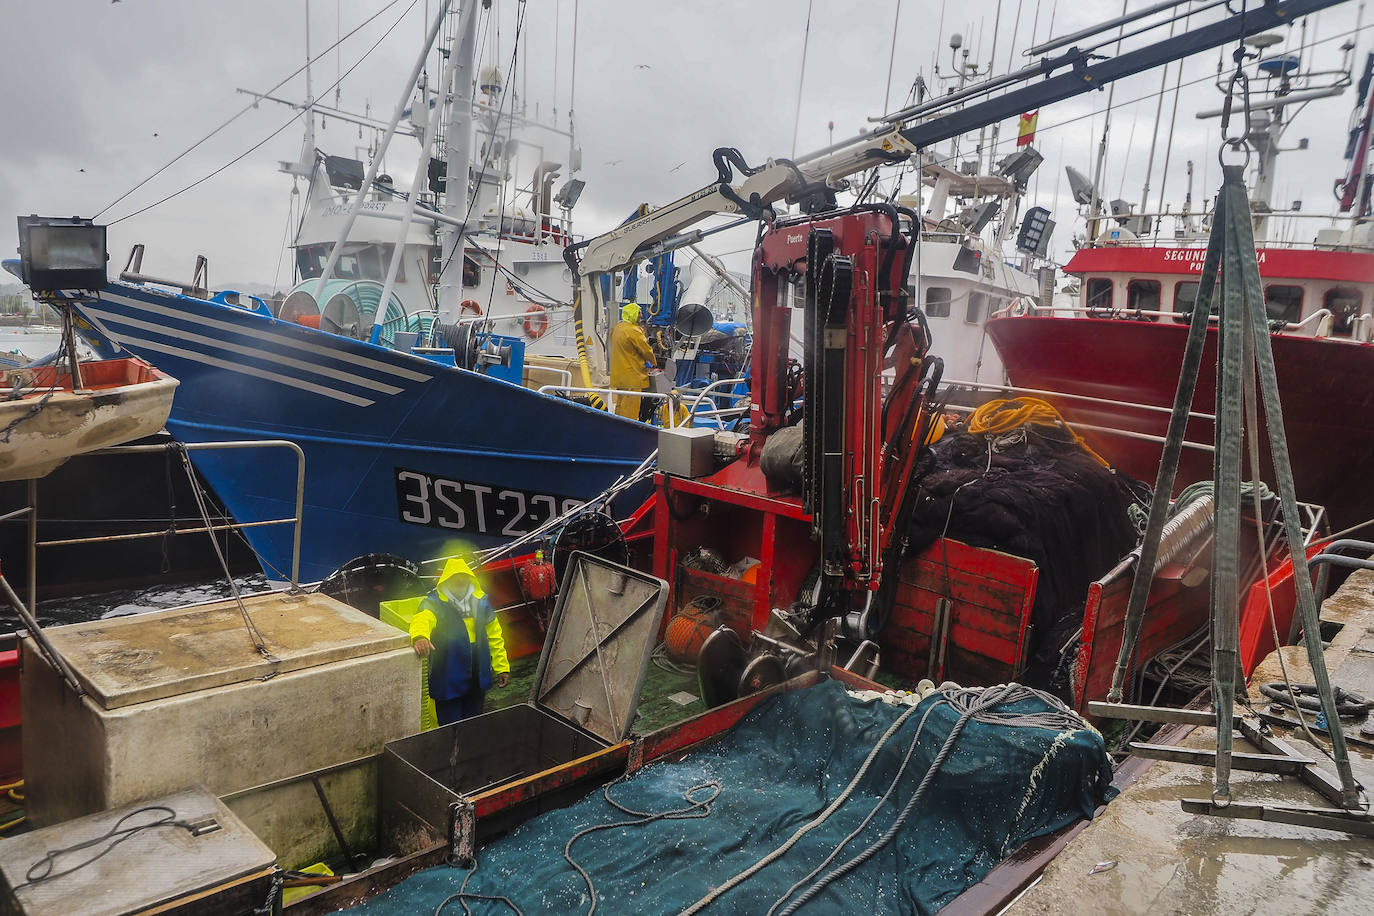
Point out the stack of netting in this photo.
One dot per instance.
(895, 832)
(1036, 493)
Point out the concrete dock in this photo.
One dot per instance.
(1169, 861)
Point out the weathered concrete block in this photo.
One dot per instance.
(164, 712)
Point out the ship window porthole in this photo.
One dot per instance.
(977, 307)
(1185, 297)
(1099, 293)
(1283, 303)
(1344, 304)
(472, 273)
(937, 302)
(1142, 295)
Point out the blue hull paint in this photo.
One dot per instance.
(402, 455)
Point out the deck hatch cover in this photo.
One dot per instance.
(600, 638)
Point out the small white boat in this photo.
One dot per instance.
(43, 421)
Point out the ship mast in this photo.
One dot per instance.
(458, 145)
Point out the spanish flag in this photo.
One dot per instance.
(1025, 134)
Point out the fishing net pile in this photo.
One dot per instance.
(1033, 491)
(1019, 765)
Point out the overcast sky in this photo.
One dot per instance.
(100, 95)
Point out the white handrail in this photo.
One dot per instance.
(696, 402)
(611, 394)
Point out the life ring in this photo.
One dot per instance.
(470, 307)
(536, 322)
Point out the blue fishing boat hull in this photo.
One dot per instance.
(402, 454)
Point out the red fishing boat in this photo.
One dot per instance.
(1110, 361)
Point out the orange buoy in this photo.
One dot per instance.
(470, 307)
(537, 578)
(685, 636)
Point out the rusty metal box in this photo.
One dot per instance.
(573, 727)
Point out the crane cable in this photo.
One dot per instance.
(1006, 414)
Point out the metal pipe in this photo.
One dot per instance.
(33, 542)
(1107, 430)
(334, 824)
(141, 535)
(16, 513)
(371, 176)
(705, 391)
(1279, 102)
(1056, 43)
(617, 392)
(416, 184)
(301, 777)
(1012, 389)
(237, 444)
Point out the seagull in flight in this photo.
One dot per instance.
(637, 66)
(614, 162)
(678, 166)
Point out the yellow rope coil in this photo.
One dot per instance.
(1005, 414)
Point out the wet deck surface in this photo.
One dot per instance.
(1168, 861)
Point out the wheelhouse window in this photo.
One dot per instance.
(368, 262)
(1143, 295)
(1099, 293)
(1185, 299)
(937, 302)
(977, 307)
(1283, 303)
(472, 272)
(1344, 304)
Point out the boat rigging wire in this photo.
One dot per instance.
(487, 156)
(256, 146)
(254, 104)
(259, 642)
(891, 58)
(1007, 145)
(801, 78)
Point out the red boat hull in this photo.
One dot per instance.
(1326, 387)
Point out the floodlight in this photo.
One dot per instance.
(61, 255)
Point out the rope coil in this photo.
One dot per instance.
(1006, 415)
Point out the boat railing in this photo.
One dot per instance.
(1322, 318)
(1111, 431)
(717, 413)
(1319, 321)
(609, 395)
(207, 528)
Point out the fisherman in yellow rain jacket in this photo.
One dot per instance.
(456, 629)
(630, 359)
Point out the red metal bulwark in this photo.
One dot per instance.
(11, 746)
(541, 783)
(1172, 611)
(1256, 632)
(990, 594)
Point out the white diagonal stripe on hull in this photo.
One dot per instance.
(246, 370)
(331, 352)
(259, 352)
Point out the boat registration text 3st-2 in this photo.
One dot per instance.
(423, 499)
